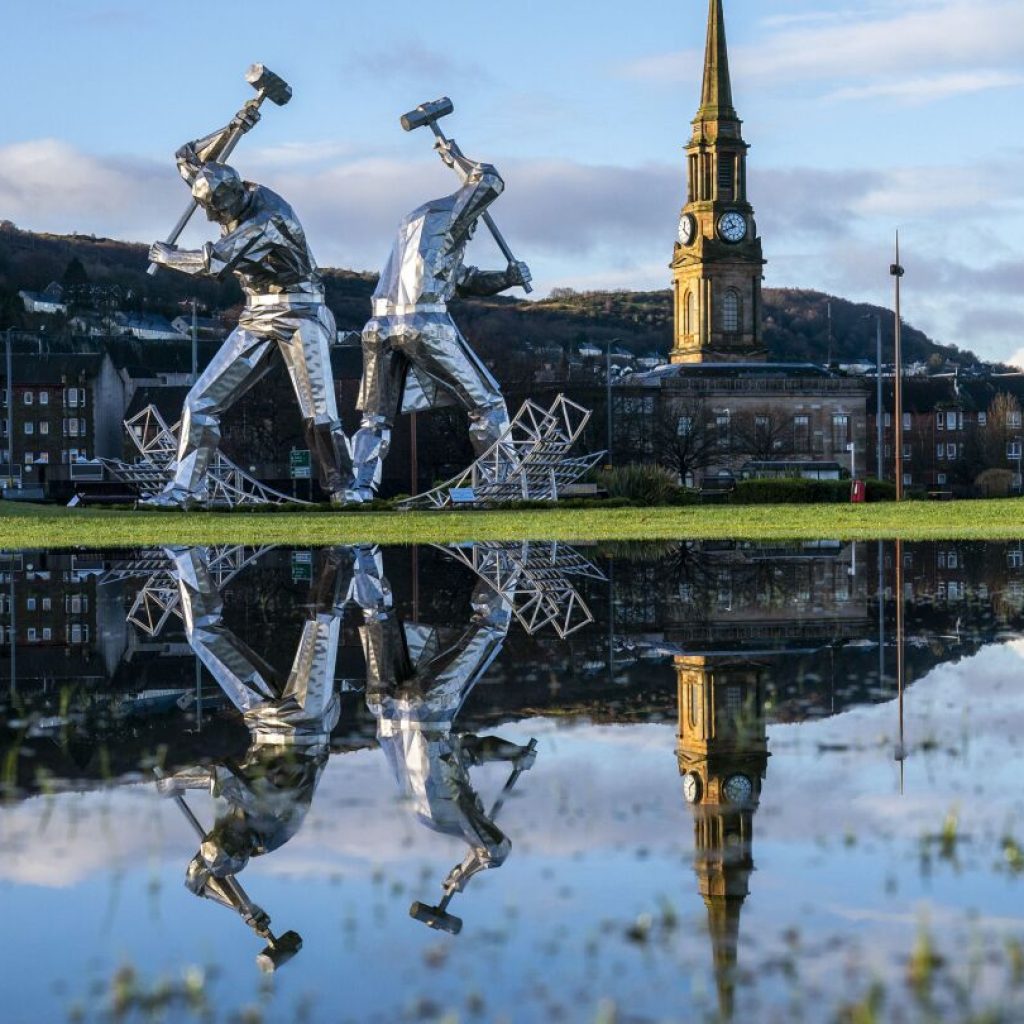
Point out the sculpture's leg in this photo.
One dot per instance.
(447, 357)
(380, 397)
(241, 361)
(307, 356)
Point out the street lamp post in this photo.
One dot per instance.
(879, 469)
(608, 393)
(896, 271)
(10, 409)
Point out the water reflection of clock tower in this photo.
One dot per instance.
(717, 264)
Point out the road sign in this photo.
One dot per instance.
(301, 464)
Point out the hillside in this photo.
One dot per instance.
(512, 332)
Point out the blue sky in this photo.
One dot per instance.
(863, 118)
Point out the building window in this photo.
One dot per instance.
(722, 428)
(30, 428)
(907, 421)
(940, 478)
(940, 421)
(44, 427)
(951, 451)
(30, 634)
(982, 419)
(47, 604)
(1015, 559)
(47, 633)
(684, 427)
(731, 312)
(840, 432)
(908, 452)
(726, 176)
(951, 420)
(887, 420)
(802, 433)
(907, 480)
(28, 397)
(1013, 418)
(1013, 449)
(940, 451)
(30, 604)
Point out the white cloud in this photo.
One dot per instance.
(951, 45)
(915, 91)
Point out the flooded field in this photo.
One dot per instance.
(510, 782)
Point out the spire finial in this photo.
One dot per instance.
(716, 95)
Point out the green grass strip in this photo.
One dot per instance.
(37, 526)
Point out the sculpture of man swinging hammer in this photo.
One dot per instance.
(413, 354)
(262, 243)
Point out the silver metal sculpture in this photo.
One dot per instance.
(262, 243)
(538, 442)
(262, 802)
(227, 485)
(414, 356)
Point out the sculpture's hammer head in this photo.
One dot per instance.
(427, 113)
(274, 87)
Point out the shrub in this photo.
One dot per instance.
(643, 483)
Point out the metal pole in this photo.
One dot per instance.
(901, 753)
(414, 460)
(879, 469)
(195, 343)
(13, 637)
(608, 395)
(897, 272)
(10, 410)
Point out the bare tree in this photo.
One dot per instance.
(684, 437)
(763, 434)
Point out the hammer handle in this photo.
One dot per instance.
(191, 208)
(489, 221)
(240, 894)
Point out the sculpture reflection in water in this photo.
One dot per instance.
(418, 679)
(261, 802)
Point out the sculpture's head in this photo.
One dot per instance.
(219, 191)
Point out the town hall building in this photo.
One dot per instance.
(720, 410)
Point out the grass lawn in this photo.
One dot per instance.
(38, 526)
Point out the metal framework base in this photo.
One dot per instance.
(529, 462)
(227, 484)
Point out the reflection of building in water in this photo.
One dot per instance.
(723, 754)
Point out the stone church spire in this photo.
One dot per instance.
(716, 95)
(717, 262)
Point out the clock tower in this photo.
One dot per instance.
(717, 262)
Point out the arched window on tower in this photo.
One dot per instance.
(689, 314)
(731, 312)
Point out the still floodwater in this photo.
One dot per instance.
(740, 782)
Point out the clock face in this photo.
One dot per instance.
(691, 787)
(687, 228)
(738, 789)
(732, 226)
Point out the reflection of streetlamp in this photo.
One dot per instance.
(896, 271)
